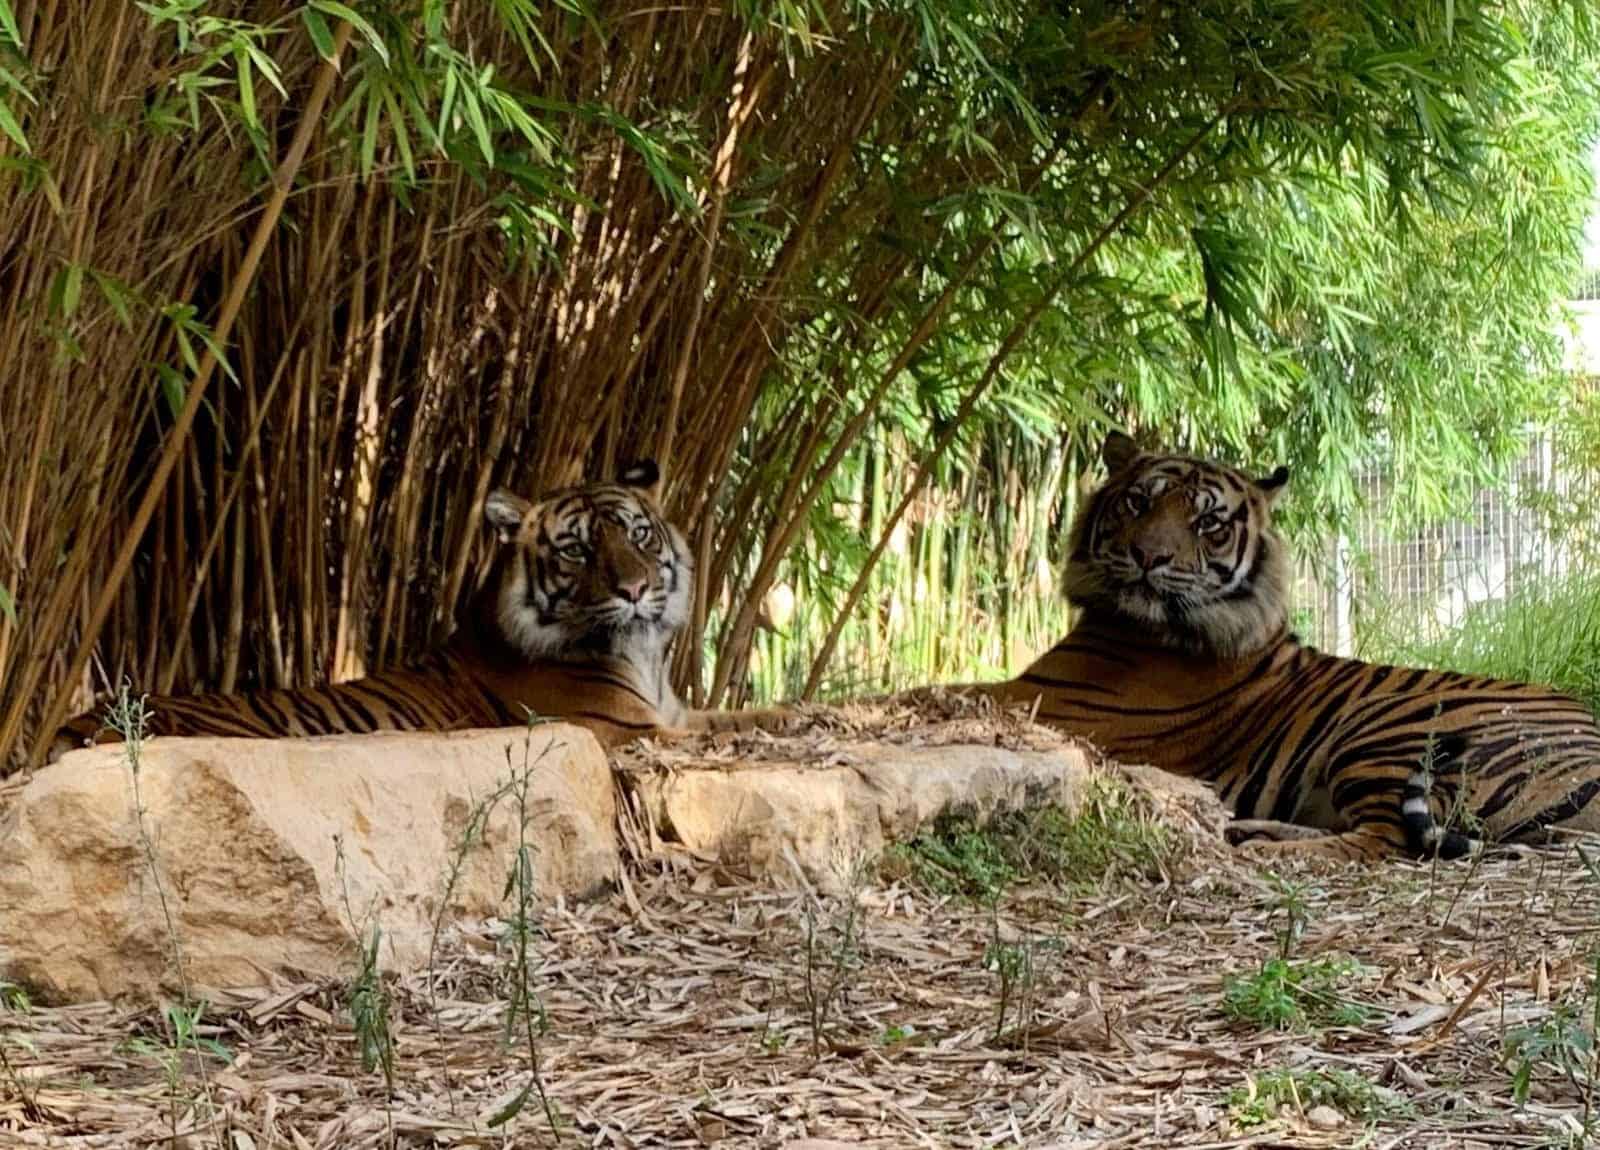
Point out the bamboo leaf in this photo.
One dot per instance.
(473, 111)
(66, 289)
(12, 128)
(369, 132)
(174, 387)
(402, 138)
(8, 605)
(8, 24)
(317, 29)
(512, 1108)
(266, 65)
(72, 292)
(10, 79)
(369, 33)
(117, 297)
(247, 88)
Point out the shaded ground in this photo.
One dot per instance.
(678, 1015)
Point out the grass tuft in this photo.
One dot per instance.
(1109, 835)
(1548, 633)
(1264, 1096)
(1295, 994)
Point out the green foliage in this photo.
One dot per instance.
(1107, 836)
(369, 1011)
(1012, 963)
(15, 998)
(1265, 1096)
(1294, 994)
(525, 1018)
(1547, 632)
(1367, 254)
(1290, 905)
(1562, 1046)
(180, 1036)
(822, 240)
(367, 996)
(832, 954)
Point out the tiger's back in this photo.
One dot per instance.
(446, 691)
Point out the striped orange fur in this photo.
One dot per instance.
(1182, 657)
(588, 589)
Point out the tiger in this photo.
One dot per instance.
(586, 591)
(1181, 656)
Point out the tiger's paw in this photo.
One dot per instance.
(1242, 831)
(1357, 846)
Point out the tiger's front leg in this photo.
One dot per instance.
(774, 720)
(1241, 831)
(1363, 844)
(1386, 806)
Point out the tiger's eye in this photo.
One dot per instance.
(1136, 502)
(641, 533)
(573, 552)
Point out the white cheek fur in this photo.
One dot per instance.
(521, 626)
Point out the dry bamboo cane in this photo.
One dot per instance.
(172, 452)
(741, 102)
(990, 373)
(778, 546)
(736, 641)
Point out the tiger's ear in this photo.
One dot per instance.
(1119, 451)
(505, 512)
(1272, 485)
(644, 474)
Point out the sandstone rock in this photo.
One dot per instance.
(777, 817)
(242, 833)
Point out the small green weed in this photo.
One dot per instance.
(525, 1014)
(1107, 835)
(15, 998)
(1562, 1044)
(1264, 1096)
(12, 1077)
(1294, 994)
(182, 1025)
(127, 716)
(1012, 964)
(368, 997)
(1290, 901)
(832, 951)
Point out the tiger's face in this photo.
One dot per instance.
(592, 570)
(1183, 549)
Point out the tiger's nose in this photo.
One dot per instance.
(633, 589)
(1145, 560)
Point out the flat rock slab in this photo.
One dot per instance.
(779, 819)
(815, 803)
(253, 860)
(241, 835)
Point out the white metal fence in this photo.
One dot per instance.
(1432, 576)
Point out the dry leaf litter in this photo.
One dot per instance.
(677, 1013)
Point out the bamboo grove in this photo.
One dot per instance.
(286, 289)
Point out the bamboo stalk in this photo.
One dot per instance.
(991, 372)
(177, 438)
